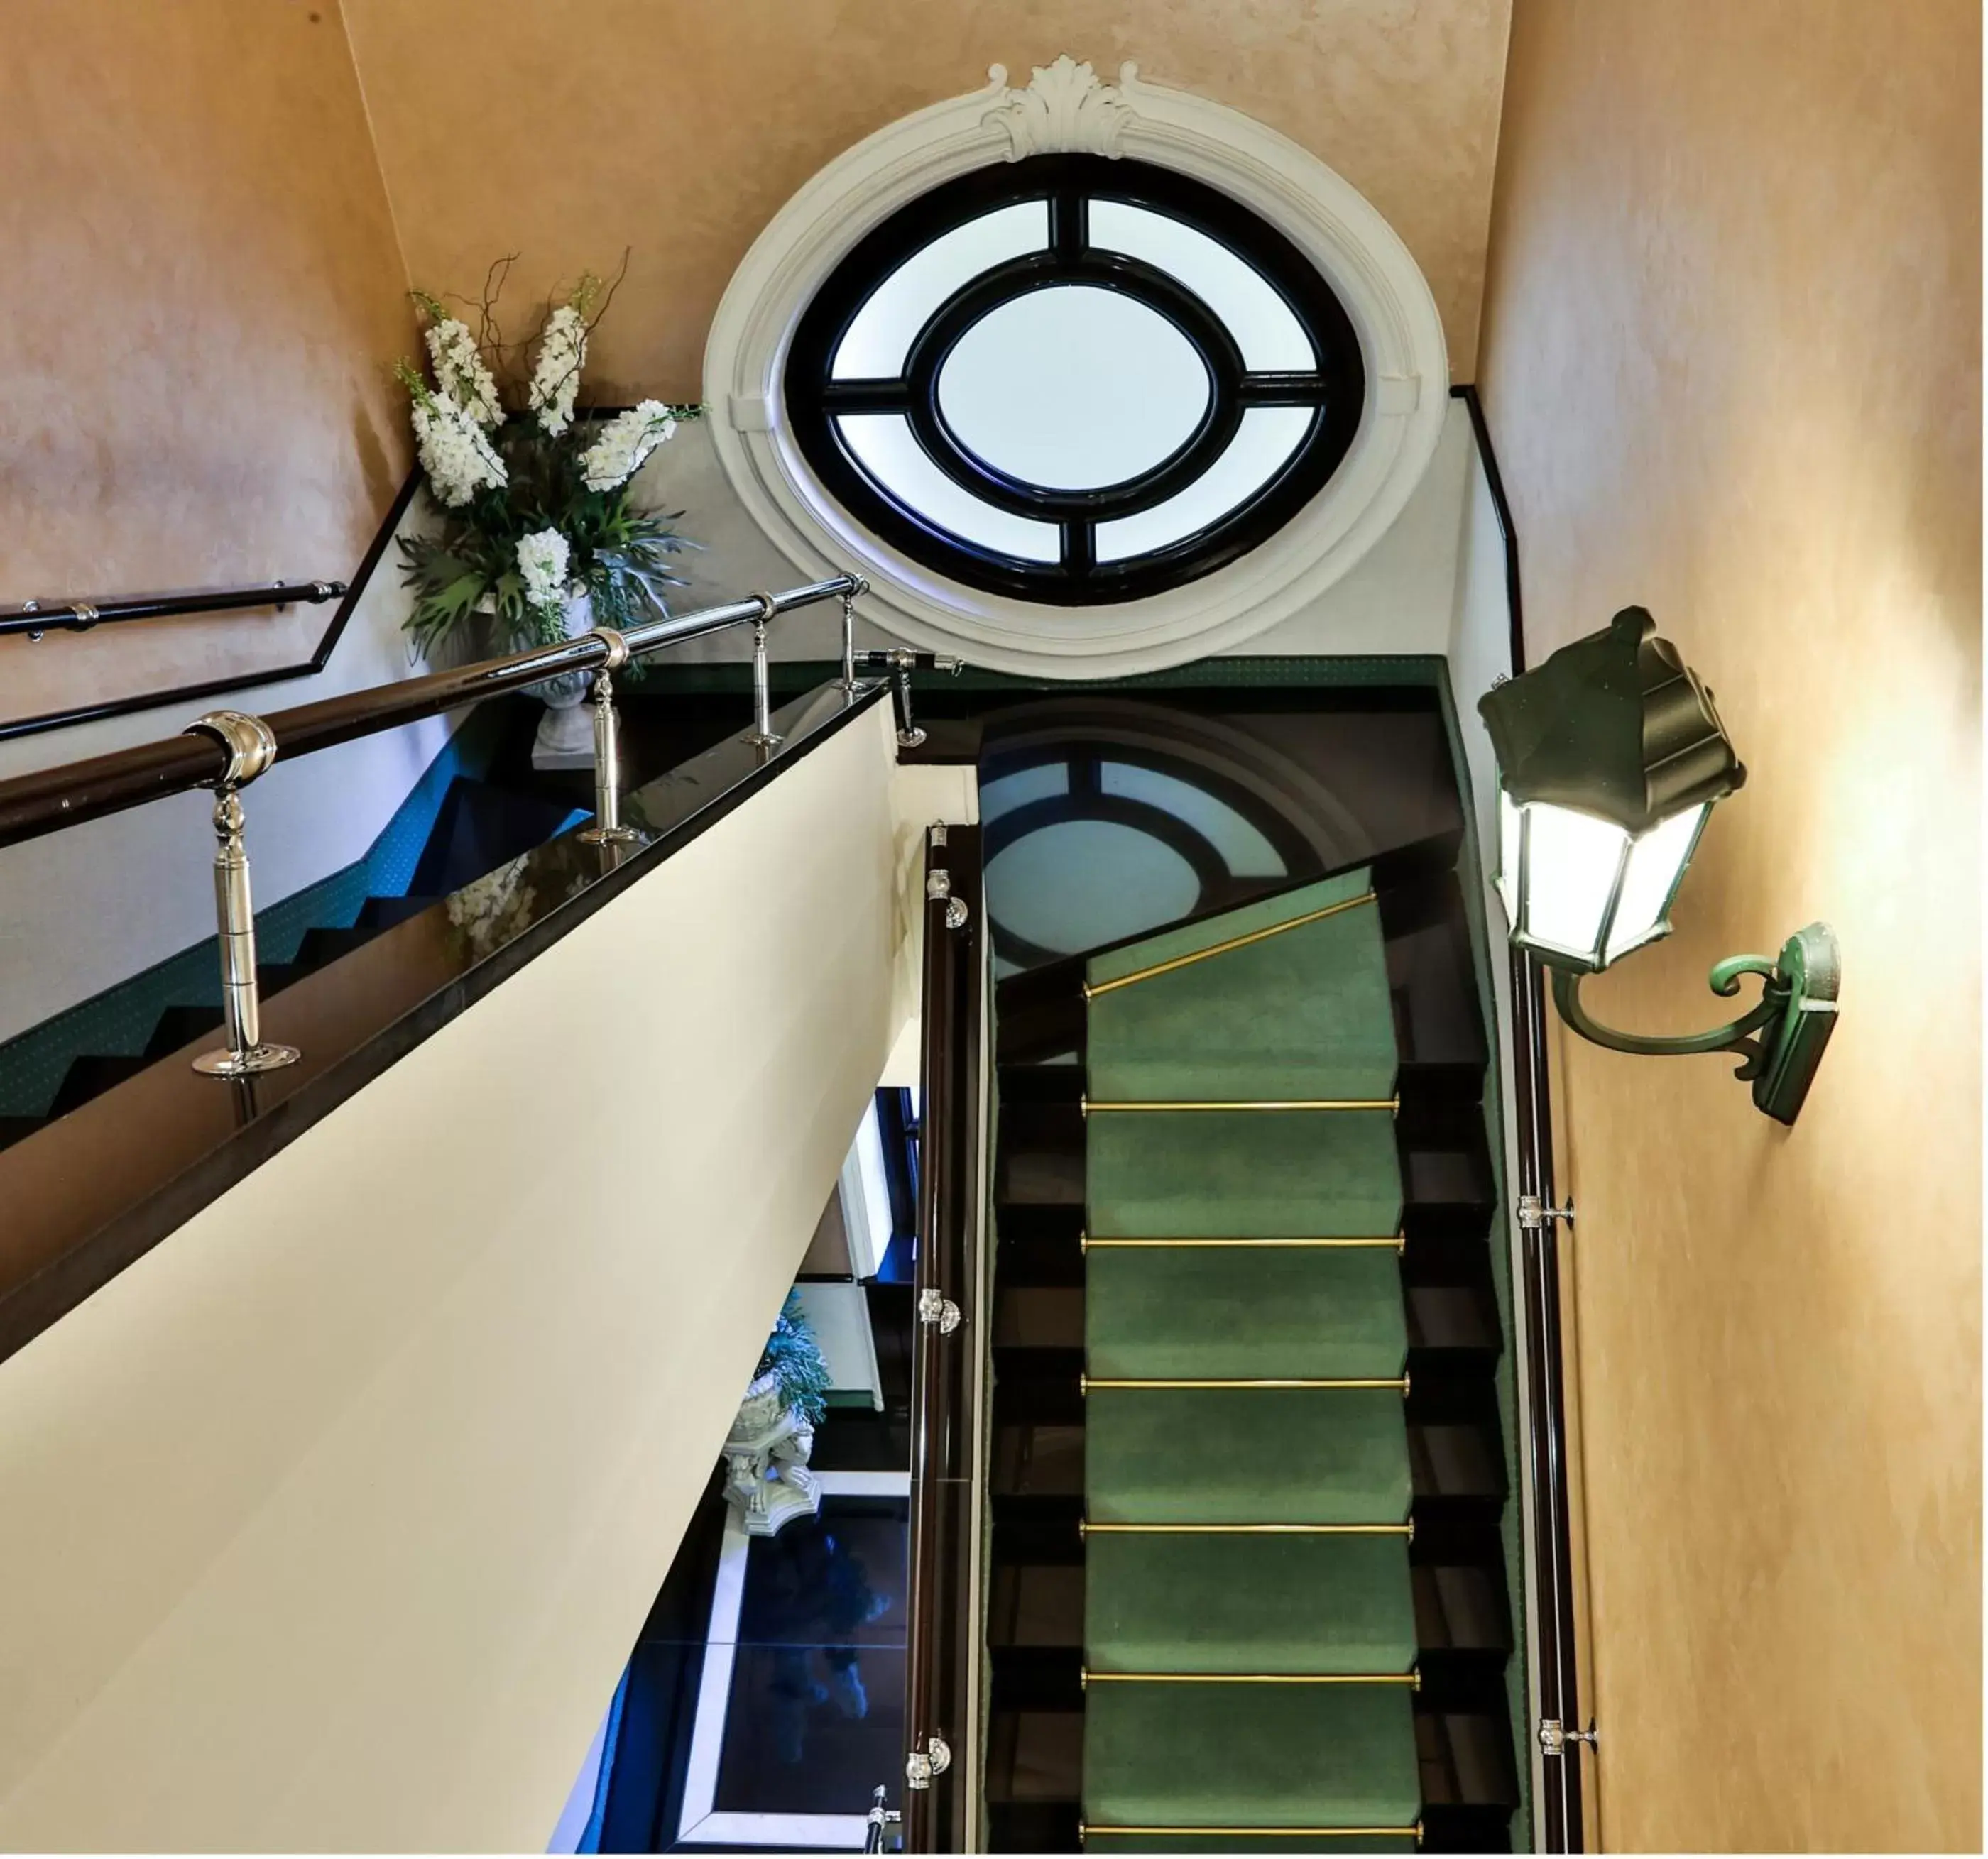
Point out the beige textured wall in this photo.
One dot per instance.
(678, 128)
(201, 293)
(1731, 362)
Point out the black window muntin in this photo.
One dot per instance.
(1337, 388)
(1085, 798)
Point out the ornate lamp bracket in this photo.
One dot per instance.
(1780, 1041)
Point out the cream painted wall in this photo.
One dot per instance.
(201, 294)
(567, 133)
(921, 795)
(330, 1523)
(1731, 361)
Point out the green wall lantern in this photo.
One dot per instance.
(1610, 758)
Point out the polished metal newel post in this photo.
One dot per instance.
(607, 828)
(880, 1819)
(899, 664)
(762, 683)
(251, 747)
(849, 600)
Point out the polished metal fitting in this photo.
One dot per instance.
(938, 885)
(618, 647)
(1555, 1736)
(1535, 1216)
(935, 1307)
(922, 1765)
(250, 742)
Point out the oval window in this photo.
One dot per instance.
(1074, 380)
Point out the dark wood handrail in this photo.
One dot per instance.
(35, 617)
(48, 799)
(936, 1817)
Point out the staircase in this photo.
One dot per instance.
(481, 824)
(1250, 1573)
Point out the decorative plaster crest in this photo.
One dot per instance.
(1068, 109)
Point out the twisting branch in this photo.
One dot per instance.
(489, 335)
(610, 288)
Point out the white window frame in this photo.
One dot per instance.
(700, 1820)
(1066, 108)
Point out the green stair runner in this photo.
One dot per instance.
(1190, 1604)
(1242, 1173)
(1250, 1629)
(1240, 1311)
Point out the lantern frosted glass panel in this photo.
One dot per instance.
(1510, 821)
(1656, 864)
(1572, 863)
(1560, 870)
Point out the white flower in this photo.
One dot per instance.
(543, 558)
(456, 456)
(625, 441)
(459, 371)
(555, 379)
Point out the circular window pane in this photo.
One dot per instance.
(877, 341)
(1073, 380)
(1265, 327)
(1081, 883)
(1073, 387)
(1267, 439)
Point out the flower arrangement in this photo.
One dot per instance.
(793, 1356)
(534, 490)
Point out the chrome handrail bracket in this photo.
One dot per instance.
(250, 746)
(607, 828)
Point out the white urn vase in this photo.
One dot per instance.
(767, 1481)
(566, 731)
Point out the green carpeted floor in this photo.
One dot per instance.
(1247, 1687)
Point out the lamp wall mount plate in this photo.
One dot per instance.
(1780, 1041)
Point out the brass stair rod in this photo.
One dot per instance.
(1086, 1382)
(1085, 1527)
(1085, 1830)
(1394, 1104)
(1398, 1242)
(1411, 1678)
(1091, 993)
